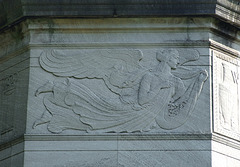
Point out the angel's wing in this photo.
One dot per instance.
(113, 66)
(187, 55)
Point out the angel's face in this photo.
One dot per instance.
(173, 61)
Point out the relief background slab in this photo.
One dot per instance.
(39, 77)
(191, 143)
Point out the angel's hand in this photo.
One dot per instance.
(126, 83)
(203, 76)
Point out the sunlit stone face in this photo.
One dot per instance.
(227, 117)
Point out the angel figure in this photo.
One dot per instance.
(147, 97)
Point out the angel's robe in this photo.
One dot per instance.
(109, 116)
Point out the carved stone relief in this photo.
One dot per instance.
(145, 97)
(226, 95)
(8, 85)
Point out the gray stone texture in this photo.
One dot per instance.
(65, 67)
(15, 10)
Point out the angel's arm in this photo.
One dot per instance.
(179, 89)
(145, 93)
(149, 88)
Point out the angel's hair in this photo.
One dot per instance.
(165, 54)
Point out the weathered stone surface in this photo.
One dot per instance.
(12, 11)
(226, 80)
(152, 96)
(119, 92)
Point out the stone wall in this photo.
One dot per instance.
(104, 90)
